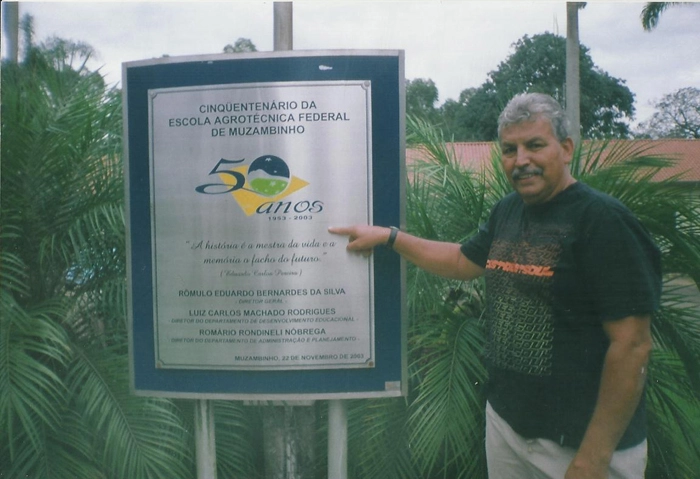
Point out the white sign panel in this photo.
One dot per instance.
(246, 180)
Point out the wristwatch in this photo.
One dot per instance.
(392, 236)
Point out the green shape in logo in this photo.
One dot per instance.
(268, 175)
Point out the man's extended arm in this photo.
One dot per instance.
(444, 259)
(621, 387)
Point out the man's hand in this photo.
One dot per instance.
(363, 238)
(621, 387)
(437, 257)
(582, 469)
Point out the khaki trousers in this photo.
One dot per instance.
(510, 456)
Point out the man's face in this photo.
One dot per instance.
(535, 161)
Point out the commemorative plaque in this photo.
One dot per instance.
(246, 274)
(236, 168)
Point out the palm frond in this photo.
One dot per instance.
(677, 328)
(138, 437)
(236, 424)
(673, 419)
(378, 440)
(629, 172)
(446, 202)
(13, 271)
(447, 415)
(651, 12)
(32, 346)
(66, 452)
(624, 170)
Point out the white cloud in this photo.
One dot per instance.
(456, 43)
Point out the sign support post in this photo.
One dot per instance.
(205, 439)
(287, 459)
(337, 439)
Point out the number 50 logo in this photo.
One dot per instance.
(267, 178)
(237, 179)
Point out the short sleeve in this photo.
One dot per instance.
(477, 248)
(621, 264)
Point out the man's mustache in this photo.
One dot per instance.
(520, 172)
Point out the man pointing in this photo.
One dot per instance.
(572, 279)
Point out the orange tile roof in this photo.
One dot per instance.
(474, 155)
(686, 154)
(471, 155)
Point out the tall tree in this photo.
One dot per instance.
(242, 45)
(451, 113)
(651, 12)
(421, 97)
(677, 116)
(538, 64)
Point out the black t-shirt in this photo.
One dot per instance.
(554, 273)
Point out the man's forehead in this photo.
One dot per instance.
(536, 127)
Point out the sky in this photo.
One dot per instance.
(456, 43)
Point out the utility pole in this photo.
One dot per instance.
(288, 427)
(10, 19)
(573, 82)
(283, 26)
(283, 442)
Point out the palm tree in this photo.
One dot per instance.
(65, 405)
(670, 213)
(652, 12)
(438, 431)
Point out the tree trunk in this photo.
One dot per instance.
(288, 436)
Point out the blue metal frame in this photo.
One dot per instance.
(385, 70)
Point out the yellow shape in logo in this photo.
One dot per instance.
(249, 201)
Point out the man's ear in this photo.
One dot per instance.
(568, 146)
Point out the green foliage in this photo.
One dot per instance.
(452, 112)
(65, 405)
(538, 64)
(238, 438)
(651, 13)
(446, 415)
(446, 202)
(378, 445)
(66, 409)
(677, 115)
(421, 97)
(438, 430)
(242, 45)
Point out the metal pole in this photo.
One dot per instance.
(573, 82)
(288, 429)
(337, 439)
(10, 18)
(205, 439)
(283, 31)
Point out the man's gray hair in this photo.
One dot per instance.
(529, 106)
